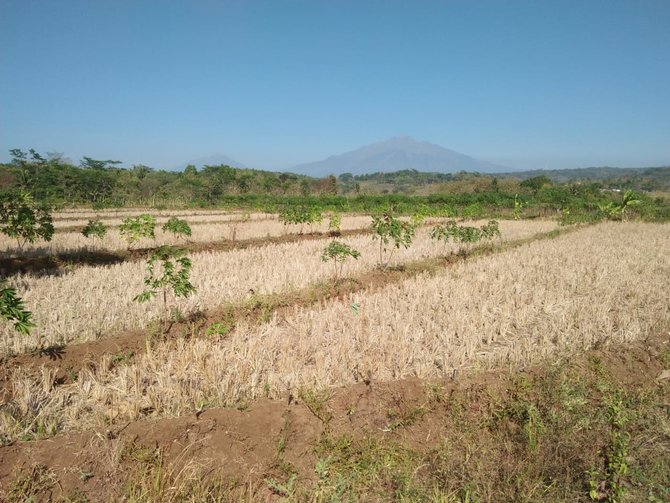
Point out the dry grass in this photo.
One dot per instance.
(120, 213)
(192, 219)
(603, 283)
(218, 230)
(93, 301)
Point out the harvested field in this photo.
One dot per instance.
(120, 213)
(510, 308)
(208, 232)
(91, 302)
(192, 219)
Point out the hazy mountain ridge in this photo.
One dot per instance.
(397, 154)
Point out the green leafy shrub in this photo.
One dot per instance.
(391, 230)
(134, 229)
(339, 252)
(617, 210)
(168, 270)
(178, 227)
(335, 224)
(21, 218)
(13, 310)
(300, 215)
(94, 228)
(473, 211)
(519, 205)
(465, 234)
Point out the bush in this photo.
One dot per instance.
(339, 252)
(300, 215)
(168, 270)
(387, 229)
(94, 228)
(335, 224)
(134, 229)
(24, 220)
(465, 234)
(178, 227)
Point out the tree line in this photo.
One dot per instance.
(102, 183)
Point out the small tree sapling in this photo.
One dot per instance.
(339, 252)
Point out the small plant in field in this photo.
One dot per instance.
(217, 328)
(300, 215)
(134, 229)
(339, 252)
(23, 219)
(168, 270)
(94, 228)
(490, 230)
(465, 234)
(121, 357)
(335, 224)
(317, 403)
(177, 227)
(565, 218)
(519, 205)
(391, 230)
(13, 310)
(612, 486)
(286, 489)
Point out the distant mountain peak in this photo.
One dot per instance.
(395, 154)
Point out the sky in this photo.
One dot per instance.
(271, 84)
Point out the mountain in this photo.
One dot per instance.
(397, 154)
(212, 160)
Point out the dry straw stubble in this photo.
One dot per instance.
(91, 302)
(513, 307)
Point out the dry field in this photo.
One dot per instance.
(601, 284)
(120, 213)
(91, 302)
(222, 228)
(192, 219)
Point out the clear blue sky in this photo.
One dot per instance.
(546, 84)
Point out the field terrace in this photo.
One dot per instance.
(509, 308)
(93, 302)
(225, 228)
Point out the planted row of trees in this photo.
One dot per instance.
(394, 233)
